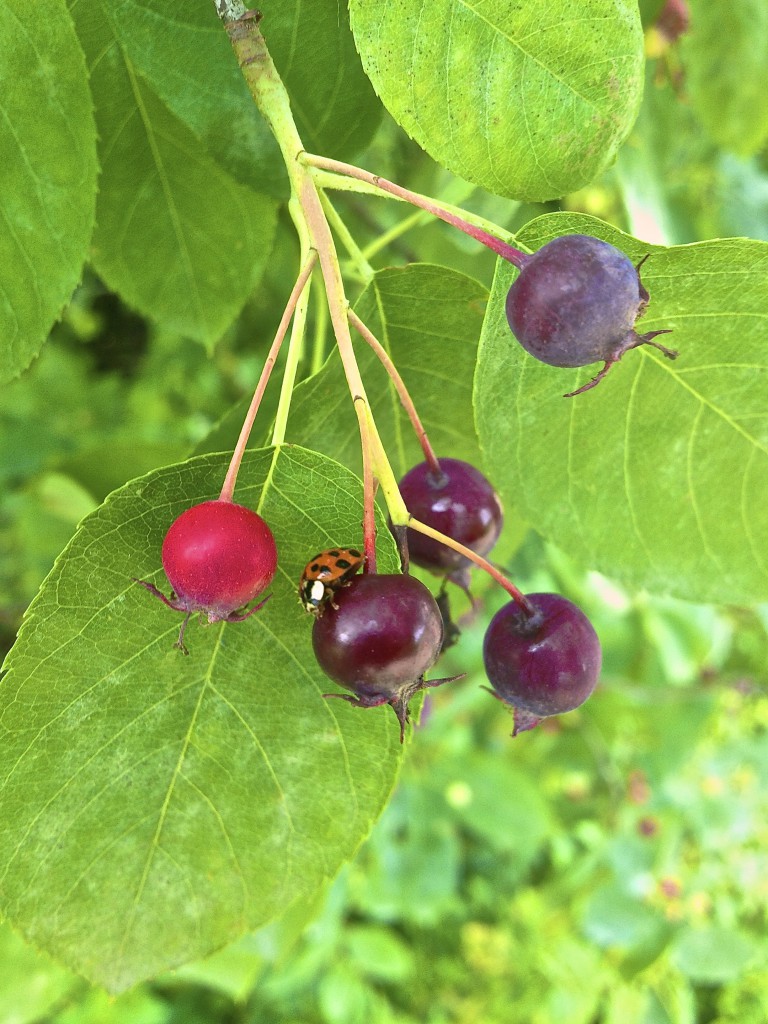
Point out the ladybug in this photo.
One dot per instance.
(324, 574)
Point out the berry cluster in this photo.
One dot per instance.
(376, 635)
(574, 302)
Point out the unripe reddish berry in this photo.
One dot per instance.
(218, 556)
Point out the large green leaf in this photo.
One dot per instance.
(48, 161)
(726, 54)
(528, 100)
(658, 477)
(155, 807)
(177, 237)
(186, 55)
(429, 319)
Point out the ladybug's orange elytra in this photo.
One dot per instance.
(326, 573)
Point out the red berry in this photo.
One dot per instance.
(459, 502)
(379, 640)
(218, 557)
(541, 664)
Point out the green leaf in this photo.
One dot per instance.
(519, 822)
(526, 100)
(378, 953)
(713, 955)
(156, 807)
(185, 56)
(650, 10)
(411, 868)
(138, 1006)
(232, 970)
(664, 171)
(48, 156)
(657, 477)
(333, 102)
(177, 237)
(725, 54)
(343, 996)
(616, 920)
(30, 984)
(428, 318)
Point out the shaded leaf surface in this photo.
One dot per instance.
(336, 110)
(156, 806)
(657, 477)
(527, 100)
(186, 56)
(48, 161)
(162, 197)
(428, 318)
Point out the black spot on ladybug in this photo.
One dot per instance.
(333, 554)
(354, 552)
(342, 563)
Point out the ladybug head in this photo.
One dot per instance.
(312, 594)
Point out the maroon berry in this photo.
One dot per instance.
(541, 664)
(218, 557)
(575, 302)
(385, 632)
(459, 502)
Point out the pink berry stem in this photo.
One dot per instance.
(365, 332)
(507, 252)
(369, 492)
(228, 487)
(517, 595)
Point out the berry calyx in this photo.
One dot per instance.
(459, 502)
(385, 632)
(218, 556)
(575, 302)
(542, 664)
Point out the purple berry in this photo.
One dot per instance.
(379, 640)
(459, 502)
(541, 664)
(575, 302)
(218, 557)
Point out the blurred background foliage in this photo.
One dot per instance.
(610, 867)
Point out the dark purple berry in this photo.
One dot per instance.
(383, 635)
(459, 502)
(218, 557)
(541, 664)
(575, 302)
